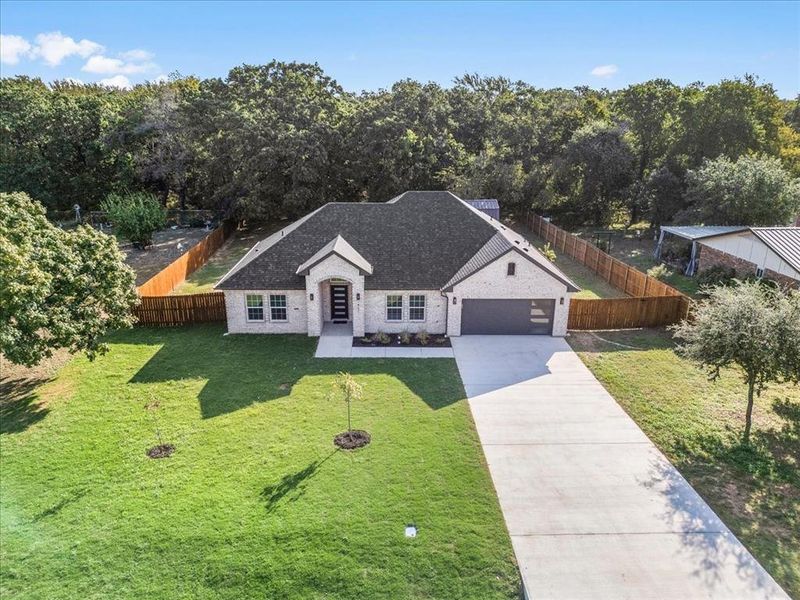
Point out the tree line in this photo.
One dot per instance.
(280, 139)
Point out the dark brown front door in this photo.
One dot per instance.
(340, 310)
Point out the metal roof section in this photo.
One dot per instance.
(783, 241)
(525, 248)
(484, 203)
(496, 247)
(698, 232)
(341, 248)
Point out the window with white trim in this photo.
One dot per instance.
(277, 307)
(255, 307)
(416, 307)
(759, 272)
(511, 270)
(394, 307)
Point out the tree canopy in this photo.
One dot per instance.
(61, 289)
(280, 139)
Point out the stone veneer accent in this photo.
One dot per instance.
(711, 257)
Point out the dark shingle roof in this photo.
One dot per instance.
(416, 241)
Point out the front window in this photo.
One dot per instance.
(277, 307)
(416, 308)
(255, 307)
(394, 307)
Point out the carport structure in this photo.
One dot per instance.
(693, 233)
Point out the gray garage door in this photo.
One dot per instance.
(507, 317)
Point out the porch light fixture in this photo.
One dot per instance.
(454, 300)
(561, 301)
(311, 297)
(358, 295)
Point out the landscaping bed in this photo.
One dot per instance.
(256, 501)
(372, 340)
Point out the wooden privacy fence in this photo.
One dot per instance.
(626, 313)
(168, 311)
(171, 276)
(653, 302)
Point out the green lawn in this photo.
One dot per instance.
(255, 502)
(592, 285)
(698, 425)
(204, 278)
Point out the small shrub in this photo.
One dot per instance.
(660, 272)
(549, 253)
(716, 275)
(381, 338)
(136, 216)
(423, 337)
(366, 339)
(405, 338)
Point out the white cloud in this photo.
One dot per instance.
(136, 55)
(163, 78)
(54, 47)
(605, 71)
(118, 81)
(104, 65)
(12, 48)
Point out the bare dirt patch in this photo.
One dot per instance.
(161, 451)
(350, 440)
(164, 250)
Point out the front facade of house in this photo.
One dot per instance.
(422, 261)
(769, 252)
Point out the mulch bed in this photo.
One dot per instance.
(161, 451)
(350, 440)
(435, 340)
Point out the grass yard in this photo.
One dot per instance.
(222, 261)
(592, 285)
(698, 425)
(255, 502)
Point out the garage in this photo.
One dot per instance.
(507, 317)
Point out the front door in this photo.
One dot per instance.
(340, 310)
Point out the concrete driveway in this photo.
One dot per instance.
(593, 508)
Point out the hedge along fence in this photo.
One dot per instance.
(653, 302)
(171, 276)
(170, 311)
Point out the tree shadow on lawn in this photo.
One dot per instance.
(291, 483)
(241, 370)
(20, 406)
(755, 488)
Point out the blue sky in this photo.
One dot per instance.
(368, 46)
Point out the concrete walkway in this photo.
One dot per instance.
(593, 508)
(336, 341)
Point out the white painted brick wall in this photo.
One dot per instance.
(492, 282)
(235, 305)
(435, 312)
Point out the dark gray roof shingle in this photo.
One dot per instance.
(419, 240)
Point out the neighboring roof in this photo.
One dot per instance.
(484, 203)
(417, 241)
(698, 232)
(784, 241)
(341, 248)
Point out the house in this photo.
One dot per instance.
(490, 206)
(770, 252)
(421, 261)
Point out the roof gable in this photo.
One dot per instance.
(337, 246)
